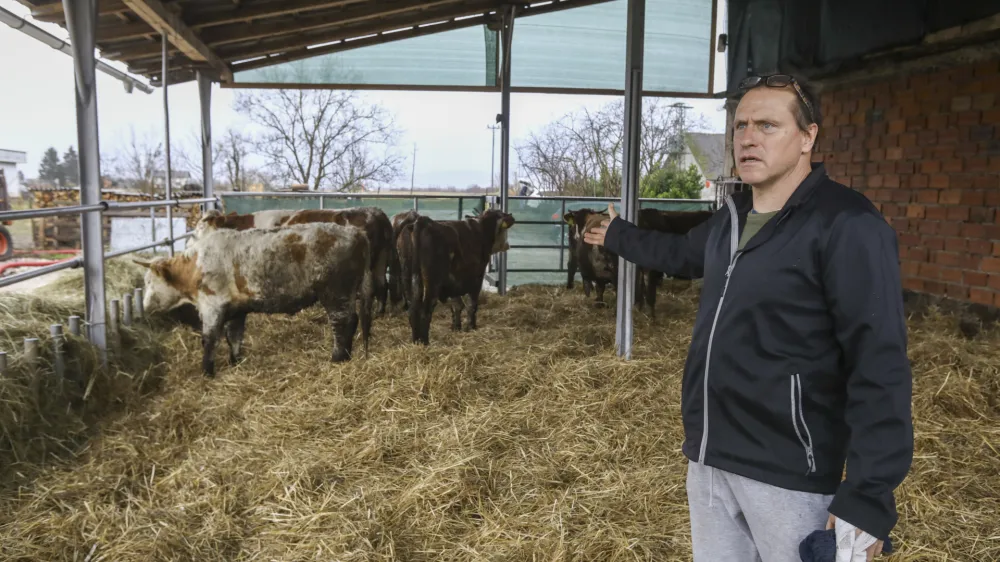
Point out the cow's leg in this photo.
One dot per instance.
(234, 335)
(344, 322)
(407, 283)
(473, 309)
(588, 286)
(456, 313)
(654, 280)
(212, 321)
(600, 293)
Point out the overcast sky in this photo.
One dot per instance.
(453, 144)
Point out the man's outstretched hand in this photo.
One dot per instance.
(595, 236)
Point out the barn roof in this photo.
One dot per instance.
(226, 36)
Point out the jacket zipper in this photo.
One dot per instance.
(797, 415)
(734, 242)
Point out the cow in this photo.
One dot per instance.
(261, 219)
(372, 220)
(444, 260)
(599, 266)
(376, 226)
(397, 293)
(227, 274)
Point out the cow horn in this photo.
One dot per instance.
(143, 263)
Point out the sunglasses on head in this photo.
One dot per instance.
(777, 81)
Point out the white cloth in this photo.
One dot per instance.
(851, 546)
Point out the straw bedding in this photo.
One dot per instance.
(525, 440)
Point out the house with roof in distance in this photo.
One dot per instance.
(707, 152)
(9, 159)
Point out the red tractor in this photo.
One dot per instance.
(6, 240)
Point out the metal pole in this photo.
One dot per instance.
(166, 129)
(207, 173)
(630, 173)
(3, 362)
(81, 21)
(508, 32)
(138, 303)
(493, 155)
(127, 309)
(31, 349)
(59, 359)
(74, 325)
(115, 316)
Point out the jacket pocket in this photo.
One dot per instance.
(799, 422)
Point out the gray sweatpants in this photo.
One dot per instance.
(736, 519)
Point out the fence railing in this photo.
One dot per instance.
(98, 208)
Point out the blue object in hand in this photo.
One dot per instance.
(821, 546)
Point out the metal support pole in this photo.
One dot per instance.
(31, 352)
(113, 322)
(127, 309)
(139, 312)
(508, 36)
(59, 359)
(81, 21)
(630, 173)
(166, 154)
(74, 325)
(3, 362)
(207, 176)
(562, 234)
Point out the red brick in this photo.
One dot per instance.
(913, 153)
(994, 282)
(934, 287)
(927, 196)
(920, 180)
(912, 284)
(948, 136)
(930, 166)
(946, 259)
(875, 181)
(909, 268)
(957, 292)
(930, 271)
(951, 275)
(961, 103)
(858, 182)
(916, 123)
(939, 181)
(937, 122)
(882, 194)
(996, 248)
(981, 133)
(897, 126)
(949, 227)
(975, 279)
(993, 198)
(979, 246)
(893, 210)
(981, 296)
(952, 165)
(871, 168)
(891, 180)
(900, 195)
(982, 215)
(955, 244)
(967, 149)
(906, 168)
(943, 152)
(855, 169)
(876, 154)
(917, 254)
(910, 239)
(894, 153)
(992, 231)
(970, 197)
(936, 213)
(927, 138)
(986, 68)
(928, 227)
(977, 164)
(991, 116)
(843, 119)
(970, 263)
(887, 167)
(983, 101)
(990, 265)
(969, 118)
(915, 211)
(974, 231)
(931, 242)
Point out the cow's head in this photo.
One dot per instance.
(577, 220)
(502, 221)
(168, 282)
(212, 219)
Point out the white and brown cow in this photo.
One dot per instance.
(227, 274)
(213, 219)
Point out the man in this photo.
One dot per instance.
(798, 358)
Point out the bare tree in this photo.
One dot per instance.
(137, 161)
(581, 153)
(325, 139)
(188, 156)
(235, 151)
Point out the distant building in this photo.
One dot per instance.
(707, 151)
(9, 159)
(178, 178)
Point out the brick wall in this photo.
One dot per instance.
(925, 148)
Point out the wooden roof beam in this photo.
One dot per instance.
(179, 34)
(243, 14)
(53, 13)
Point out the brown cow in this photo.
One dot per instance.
(227, 274)
(600, 266)
(397, 293)
(444, 260)
(260, 219)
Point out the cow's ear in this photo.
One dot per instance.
(507, 222)
(568, 217)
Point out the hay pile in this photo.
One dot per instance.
(526, 440)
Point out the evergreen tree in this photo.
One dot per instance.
(71, 167)
(671, 182)
(50, 169)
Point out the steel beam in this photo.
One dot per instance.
(630, 173)
(81, 21)
(507, 35)
(207, 173)
(167, 175)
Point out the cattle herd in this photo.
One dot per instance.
(356, 263)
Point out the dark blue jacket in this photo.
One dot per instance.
(798, 358)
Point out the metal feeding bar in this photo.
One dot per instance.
(68, 264)
(150, 204)
(52, 212)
